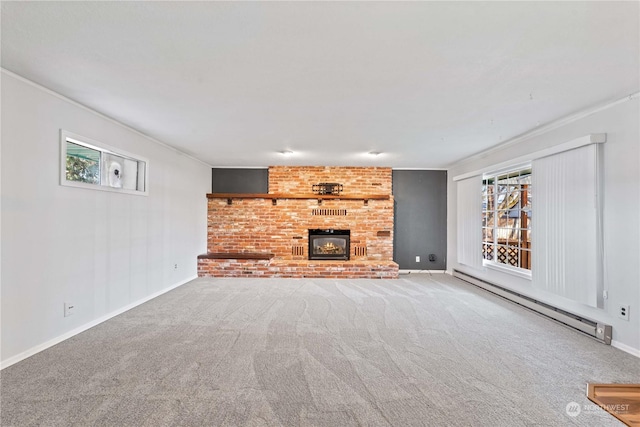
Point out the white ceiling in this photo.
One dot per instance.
(233, 83)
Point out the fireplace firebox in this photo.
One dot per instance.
(329, 244)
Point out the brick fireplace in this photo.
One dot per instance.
(267, 235)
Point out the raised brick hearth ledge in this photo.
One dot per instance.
(297, 269)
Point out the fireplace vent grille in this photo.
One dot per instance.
(329, 212)
(297, 250)
(360, 251)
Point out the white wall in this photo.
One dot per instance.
(102, 251)
(621, 123)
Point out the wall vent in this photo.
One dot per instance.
(359, 251)
(329, 212)
(297, 250)
(599, 331)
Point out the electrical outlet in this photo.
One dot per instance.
(417, 259)
(605, 294)
(623, 312)
(175, 266)
(69, 309)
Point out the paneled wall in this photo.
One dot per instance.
(103, 252)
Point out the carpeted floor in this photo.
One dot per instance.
(419, 351)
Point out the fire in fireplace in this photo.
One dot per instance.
(329, 244)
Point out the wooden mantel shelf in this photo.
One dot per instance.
(297, 196)
(237, 255)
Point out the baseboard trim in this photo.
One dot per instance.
(40, 347)
(626, 348)
(421, 271)
(590, 327)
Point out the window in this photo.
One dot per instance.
(83, 163)
(90, 164)
(506, 218)
(567, 258)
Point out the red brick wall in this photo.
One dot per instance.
(355, 180)
(256, 225)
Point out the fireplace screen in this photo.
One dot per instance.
(329, 244)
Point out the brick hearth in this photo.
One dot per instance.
(277, 225)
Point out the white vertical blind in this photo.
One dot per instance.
(470, 221)
(566, 232)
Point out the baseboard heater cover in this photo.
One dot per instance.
(599, 331)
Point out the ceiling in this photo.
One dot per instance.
(233, 83)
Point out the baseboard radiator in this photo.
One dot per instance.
(599, 331)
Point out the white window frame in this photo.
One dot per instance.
(66, 136)
(492, 264)
(595, 138)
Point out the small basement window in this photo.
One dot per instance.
(86, 163)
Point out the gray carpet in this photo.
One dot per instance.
(419, 351)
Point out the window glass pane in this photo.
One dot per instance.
(491, 222)
(112, 170)
(525, 259)
(513, 198)
(502, 234)
(82, 164)
(501, 196)
(512, 256)
(525, 197)
(487, 219)
(501, 254)
(505, 219)
(142, 170)
(130, 174)
(487, 252)
(490, 198)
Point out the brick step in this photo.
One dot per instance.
(297, 269)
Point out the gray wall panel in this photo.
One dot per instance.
(420, 218)
(239, 180)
